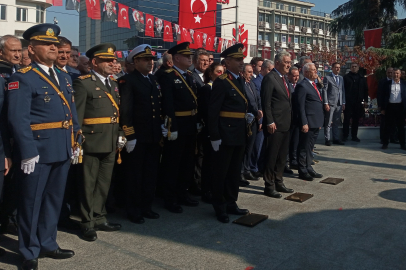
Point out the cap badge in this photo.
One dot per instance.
(239, 49)
(187, 47)
(148, 50)
(50, 32)
(110, 50)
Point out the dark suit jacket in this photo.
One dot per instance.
(5, 149)
(203, 100)
(381, 90)
(140, 107)
(355, 96)
(276, 103)
(386, 94)
(253, 98)
(107, 18)
(197, 78)
(309, 105)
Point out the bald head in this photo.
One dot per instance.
(83, 64)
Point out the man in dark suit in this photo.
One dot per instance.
(200, 63)
(393, 105)
(97, 100)
(379, 98)
(43, 121)
(228, 131)
(109, 15)
(276, 98)
(255, 108)
(302, 61)
(166, 64)
(293, 78)
(140, 118)
(308, 108)
(356, 93)
(334, 104)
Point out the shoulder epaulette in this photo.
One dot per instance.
(113, 79)
(24, 70)
(188, 71)
(223, 76)
(169, 70)
(61, 69)
(85, 76)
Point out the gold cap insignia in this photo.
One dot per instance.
(239, 49)
(187, 47)
(147, 50)
(110, 50)
(50, 32)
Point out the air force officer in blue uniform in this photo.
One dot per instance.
(43, 120)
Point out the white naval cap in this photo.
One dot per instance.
(143, 50)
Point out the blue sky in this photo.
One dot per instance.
(69, 20)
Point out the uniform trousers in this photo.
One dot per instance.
(40, 201)
(178, 166)
(141, 172)
(207, 164)
(277, 148)
(226, 175)
(305, 149)
(94, 189)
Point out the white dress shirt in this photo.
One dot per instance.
(101, 77)
(395, 96)
(200, 74)
(46, 70)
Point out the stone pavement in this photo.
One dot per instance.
(358, 224)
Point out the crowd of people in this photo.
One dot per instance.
(80, 135)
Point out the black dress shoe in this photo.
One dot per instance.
(287, 170)
(282, 188)
(174, 208)
(137, 219)
(306, 177)
(384, 146)
(68, 224)
(107, 227)
(89, 234)
(188, 202)
(30, 264)
(207, 197)
(272, 193)
(328, 143)
(58, 254)
(338, 142)
(403, 147)
(355, 139)
(315, 175)
(223, 217)
(249, 176)
(257, 174)
(244, 183)
(150, 214)
(235, 210)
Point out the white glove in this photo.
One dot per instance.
(199, 127)
(174, 136)
(216, 145)
(74, 159)
(164, 130)
(130, 145)
(121, 142)
(250, 117)
(28, 165)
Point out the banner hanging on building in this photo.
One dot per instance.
(93, 9)
(149, 26)
(123, 19)
(168, 36)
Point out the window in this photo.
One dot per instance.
(302, 40)
(284, 20)
(268, 18)
(267, 4)
(40, 14)
(22, 14)
(303, 23)
(280, 6)
(296, 40)
(303, 10)
(277, 18)
(261, 17)
(292, 8)
(277, 37)
(291, 21)
(3, 12)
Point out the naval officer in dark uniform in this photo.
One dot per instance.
(43, 119)
(97, 101)
(179, 104)
(228, 120)
(140, 119)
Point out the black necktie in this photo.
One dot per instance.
(106, 82)
(52, 75)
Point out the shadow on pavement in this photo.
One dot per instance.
(397, 195)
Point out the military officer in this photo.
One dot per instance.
(179, 105)
(228, 120)
(43, 119)
(97, 101)
(140, 118)
(5, 153)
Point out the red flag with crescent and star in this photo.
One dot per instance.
(220, 45)
(149, 26)
(198, 37)
(210, 43)
(93, 9)
(185, 35)
(123, 18)
(168, 36)
(199, 15)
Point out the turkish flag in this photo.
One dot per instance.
(123, 18)
(57, 3)
(229, 44)
(373, 37)
(186, 35)
(168, 36)
(198, 14)
(210, 43)
(220, 45)
(149, 26)
(93, 9)
(119, 54)
(198, 37)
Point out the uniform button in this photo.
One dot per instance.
(46, 93)
(67, 115)
(153, 110)
(115, 113)
(228, 125)
(153, 116)
(159, 102)
(152, 96)
(38, 136)
(64, 103)
(91, 131)
(112, 104)
(153, 103)
(99, 96)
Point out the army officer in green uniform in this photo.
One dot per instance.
(97, 101)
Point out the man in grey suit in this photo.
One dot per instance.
(334, 103)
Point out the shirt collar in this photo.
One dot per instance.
(103, 79)
(235, 76)
(278, 72)
(44, 67)
(180, 71)
(198, 72)
(260, 76)
(311, 82)
(393, 82)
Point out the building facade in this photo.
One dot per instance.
(17, 16)
(291, 25)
